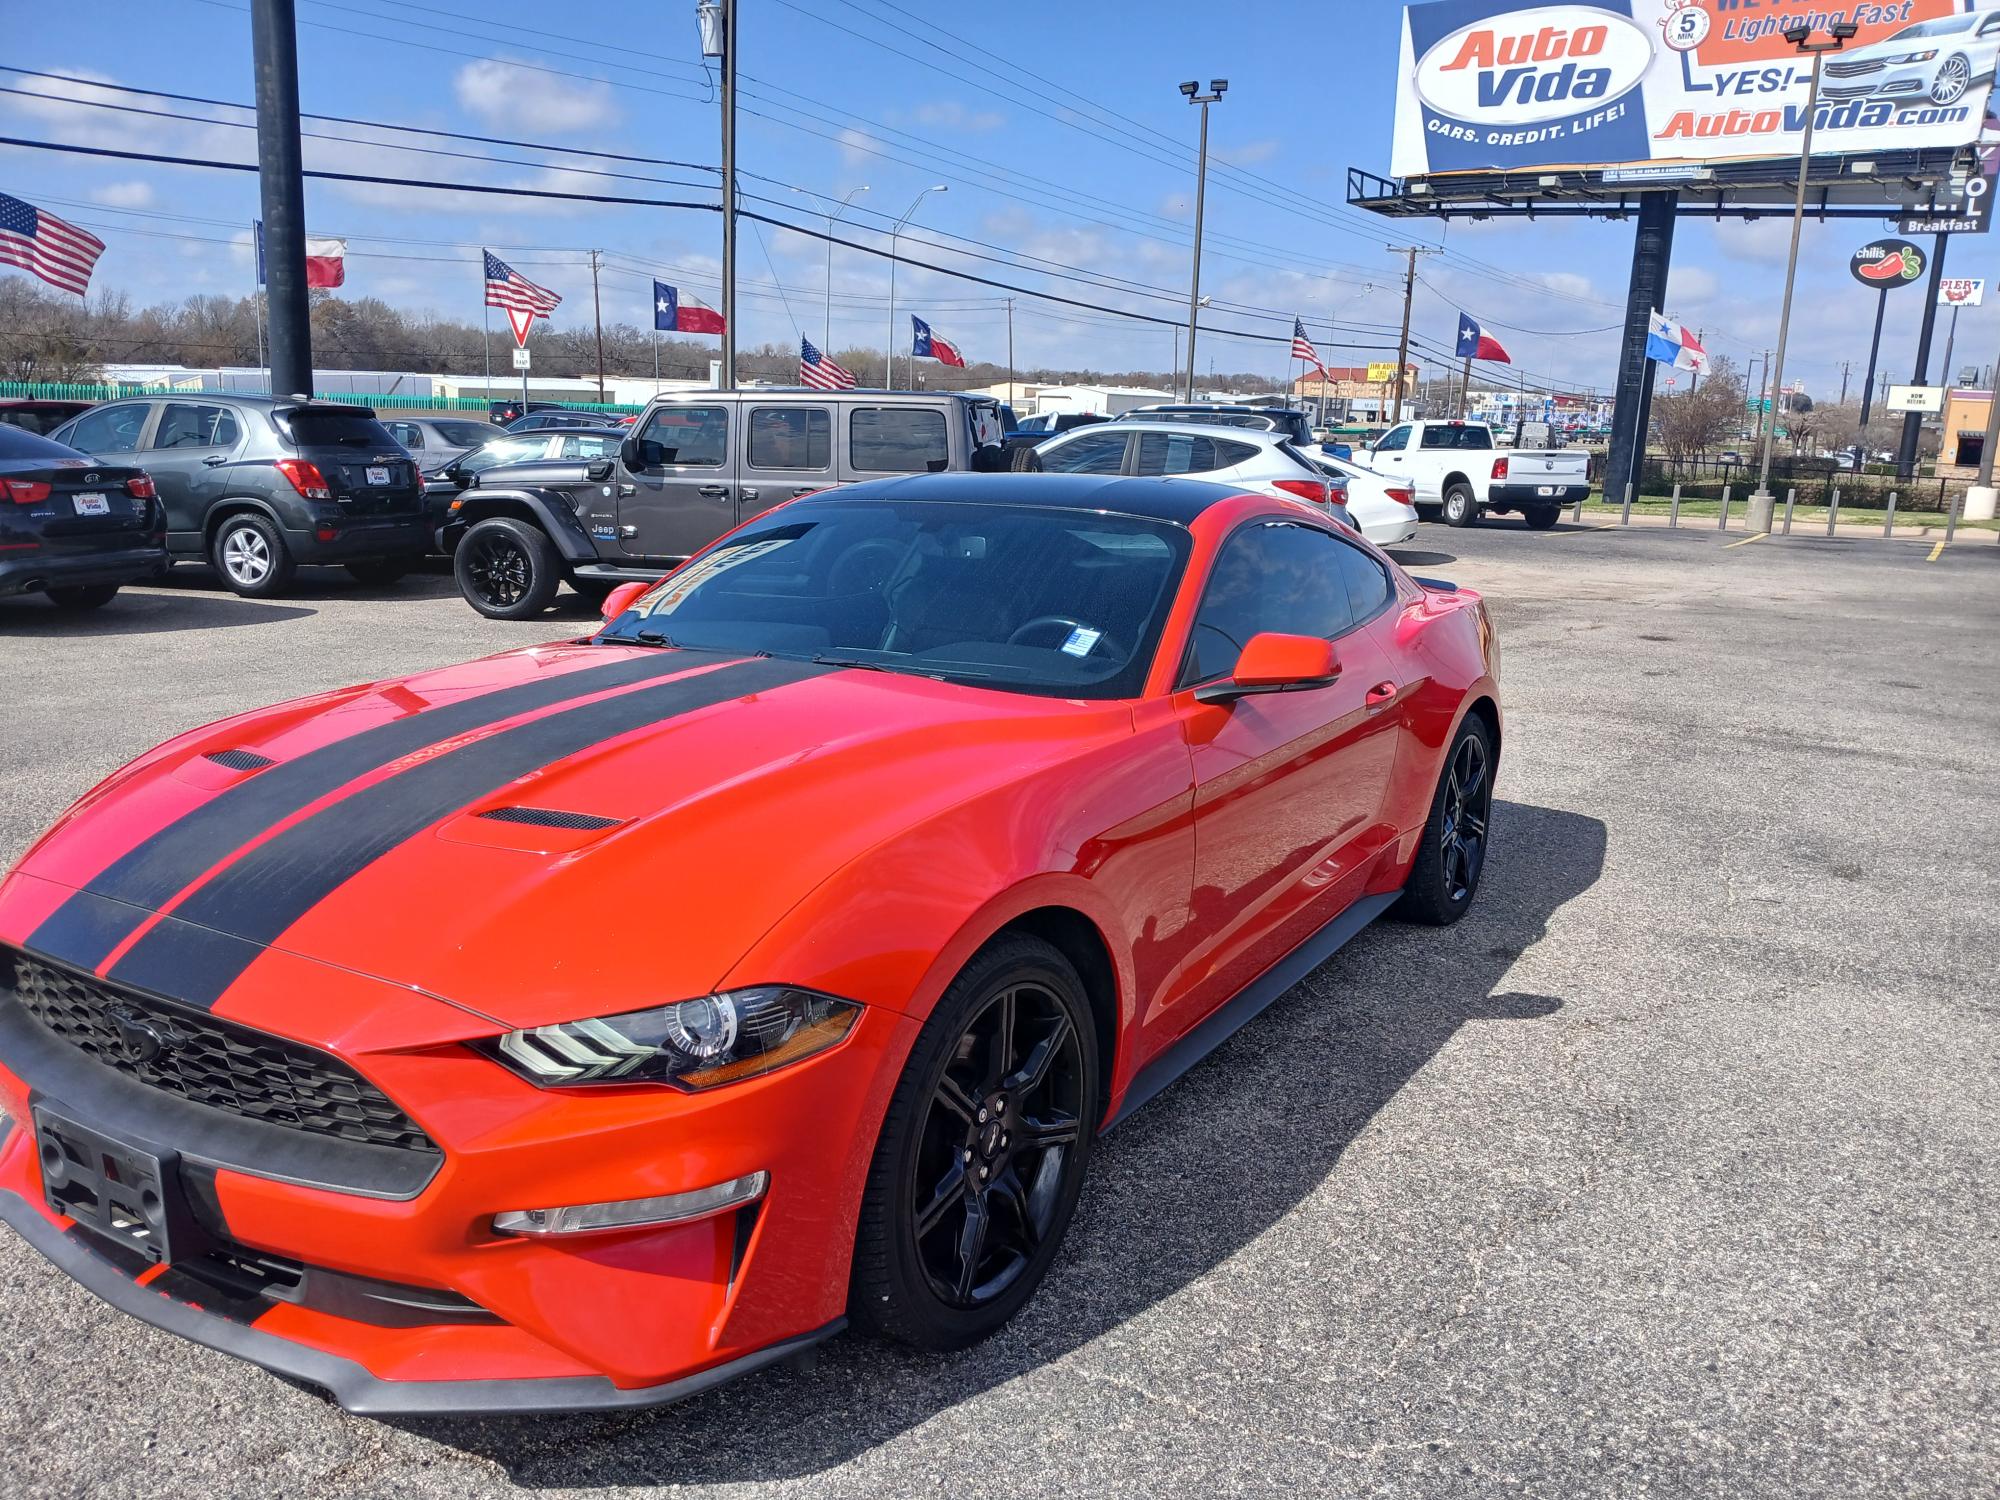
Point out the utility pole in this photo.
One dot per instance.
(716, 20)
(1799, 34)
(1409, 295)
(1010, 351)
(597, 312)
(1192, 89)
(1694, 376)
(889, 349)
(274, 51)
(1845, 366)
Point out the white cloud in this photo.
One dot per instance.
(124, 195)
(949, 114)
(858, 148)
(1248, 154)
(1692, 284)
(507, 94)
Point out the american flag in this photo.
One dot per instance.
(819, 370)
(508, 288)
(43, 245)
(1302, 347)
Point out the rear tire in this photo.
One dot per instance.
(250, 554)
(982, 1152)
(379, 572)
(507, 569)
(1461, 506)
(83, 596)
(1452, 855)
(1542, 517)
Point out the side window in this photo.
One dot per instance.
(790, 437)
(1271, 575)
(697, 435)
(897, 439)
(1368, 586)
(588, 445)
(1396, 438)
(409, 434)
(1095, 453)
(1180, 453)
(110, 429)
(1228, 455)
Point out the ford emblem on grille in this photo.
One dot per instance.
(142, 1041)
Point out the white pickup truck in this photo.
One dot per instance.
(1458, 468)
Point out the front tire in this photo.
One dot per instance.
(982, 1152)
(507, 569)
(250, 554)
(83, 596)
(1952, 80)
(1461, 507)
(1445, 876)
(1542, 517)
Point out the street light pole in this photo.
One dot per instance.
(889, 349)
(832, 216)
(281, 185)
(1192, 89)
(1800, 35)
(716, 20)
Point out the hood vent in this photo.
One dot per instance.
(239, 760)
(548, 817)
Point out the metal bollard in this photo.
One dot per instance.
(1889, 516)
(1576, 510)
(1722, 521)
(1674, 510)
(1625, 516)
(1951, 516)
(1791, 499)
(1833, 512)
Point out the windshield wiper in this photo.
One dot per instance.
(911, 670)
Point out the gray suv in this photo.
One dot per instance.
(258, 485)
(696, 464)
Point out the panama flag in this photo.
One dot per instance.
(673, 313)
(1475, 343)
(926, 345)
(1671, 344)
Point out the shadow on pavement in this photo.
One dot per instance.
(1297, 1085)
(147, 609)
(1414, 557)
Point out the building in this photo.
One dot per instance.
(1964, 434)
(1032, 400)
(1357, 393)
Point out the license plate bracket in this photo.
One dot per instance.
(127, 1193)
(92, 504)
(378, 476)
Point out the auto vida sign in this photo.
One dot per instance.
(1498, 85)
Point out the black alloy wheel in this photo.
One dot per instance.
(1445, 875)
(983, 1151)
(506, 569)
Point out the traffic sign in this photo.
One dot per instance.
(521, 358)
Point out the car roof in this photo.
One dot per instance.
(1262, 435)
(1176, 500)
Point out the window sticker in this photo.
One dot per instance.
(1080, 641)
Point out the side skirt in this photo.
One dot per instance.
(1248, 1003)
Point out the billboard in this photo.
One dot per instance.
(1506, 85)
(1381, 372)
(1884, 264)
(1961, 291)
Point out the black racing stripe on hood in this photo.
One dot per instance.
(84, 933)
(212, 936)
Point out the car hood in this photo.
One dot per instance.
(545, 835)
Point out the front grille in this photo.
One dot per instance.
(549, 817)
(1854, 67)
(206, 1060)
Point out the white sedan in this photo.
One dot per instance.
(1383, 505)
(1264, 462)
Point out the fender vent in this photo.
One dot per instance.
(239, 760)
(548, 817)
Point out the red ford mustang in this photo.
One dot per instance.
(585, 1025)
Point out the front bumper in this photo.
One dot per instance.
(626, 1318)
(25, 572)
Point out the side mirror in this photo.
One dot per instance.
(598, 470)
(640, 454)
(1274, 663)
(621, 599)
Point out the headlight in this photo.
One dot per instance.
(1917, 57)
(691, 1044)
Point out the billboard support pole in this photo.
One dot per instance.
(1950, 338)
(1652, 254)
(1906, 451)
(1868, 383)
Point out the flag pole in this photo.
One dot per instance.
(257, 290)
(1465, 392)
(486, 324)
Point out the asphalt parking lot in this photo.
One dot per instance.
(1670, 1171)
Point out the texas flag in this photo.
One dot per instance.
(927, 345)
(673, 313)
(326, 260)
(1475, 343)
(1671, 344)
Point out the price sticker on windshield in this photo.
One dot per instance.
(1080, 641)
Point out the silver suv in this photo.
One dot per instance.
(697, 464)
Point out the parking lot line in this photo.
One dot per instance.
(1937, 551)
(1757, 537)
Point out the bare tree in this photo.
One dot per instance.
(1688, 423)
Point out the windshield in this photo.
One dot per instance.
(465, 434)
(16, 443)
(507, 450)
(1031, 599)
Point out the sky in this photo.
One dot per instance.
(1070, 160)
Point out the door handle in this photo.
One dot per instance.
(746, 493)
(1381, 695)
(214, 460)
(807, 489)
(714, 491)
(627, 490)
